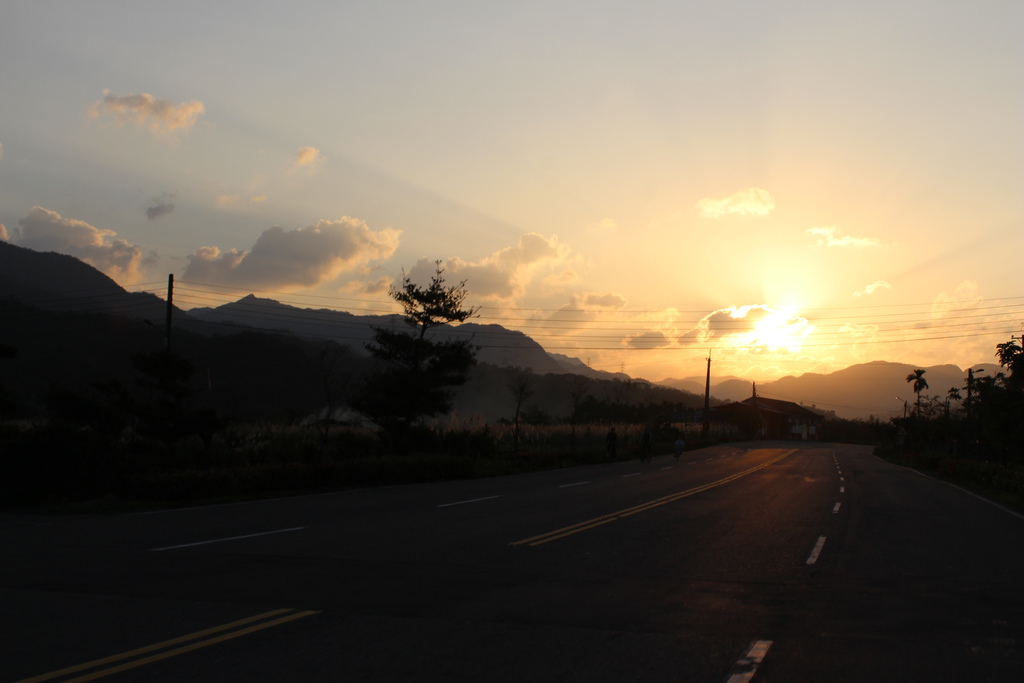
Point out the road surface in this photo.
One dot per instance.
(781, 562)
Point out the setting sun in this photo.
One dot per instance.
(781, 330)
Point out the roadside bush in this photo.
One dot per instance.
(57, 462)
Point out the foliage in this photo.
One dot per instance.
(414, 370)
(980, 445)
(520, 387)
(920, 384)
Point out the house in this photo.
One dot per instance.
(768, 418)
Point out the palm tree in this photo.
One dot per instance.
(952, 395)
(920, 384)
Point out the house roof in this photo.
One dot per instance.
(771, 405)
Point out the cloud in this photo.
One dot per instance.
(295, 259)
(607, 224)
(873, 287)
(505, 274)
(1, 150)
(563, 278)
(749, 202)
(3, 233)
(228, 200)
(45, 230)
(828, 237)
(159, 116)
(160, 206)
(648, 340)
(749, 326)
(594, 300)
(307, 157)
(373, 288)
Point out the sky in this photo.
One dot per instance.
(786, 187)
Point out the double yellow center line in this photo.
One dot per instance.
(611, 517)
(202, 639)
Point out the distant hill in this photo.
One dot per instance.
(498, 346)
(868, 388)
(858, 391)
(727, 388)
(57, 282)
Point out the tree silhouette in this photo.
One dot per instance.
(952, 395)
(415, 369)
(577, 392)
(1011, 357)
(920, 384)
(521, 388)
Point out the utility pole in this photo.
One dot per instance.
(170, 308)
(707, 402)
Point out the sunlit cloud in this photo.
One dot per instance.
(3, 233)
(229, 200)
(830, 237)
(295, 259)
(872, 288)
(749, 202)
(159, 116)
(505, 274)
(368, 287)
(307, 158)
(563, 278)
(44, 230)
(160, 206)
(607, 224)
(586, 306)
(751, 328)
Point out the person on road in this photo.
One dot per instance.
(610, 443)
(645, 446)
(678, 447)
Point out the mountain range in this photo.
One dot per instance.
(55, 282)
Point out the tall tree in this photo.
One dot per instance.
(920, 384)
(415, 368)
(520, 387)
(1011, 357)
(952, 395)
(577, 392)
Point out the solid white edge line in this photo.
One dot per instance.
(463, 502)
(230, 538)
(817, 550)
(746, 666)
(963, 490)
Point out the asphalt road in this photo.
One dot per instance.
(781, 563)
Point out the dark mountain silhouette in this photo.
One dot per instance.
(727, 388)
(497, 345)
(71, 327)
(252, 374)
(859, 391)
(94, 326)
(57, 282)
